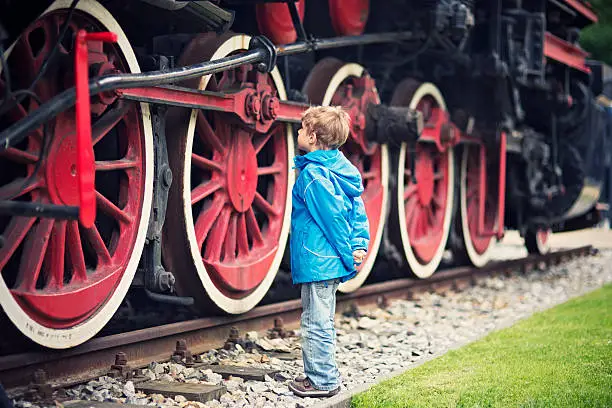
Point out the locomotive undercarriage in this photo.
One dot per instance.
(458, 108)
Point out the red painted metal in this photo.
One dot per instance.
(482, 191)
(274, 21)
(480, 202)
(349, 17)
(565, 53)
(583, 9)
(485, 224)
(85, 158)
(438, 129)
(58, 271)
(257, 108)
(425, 202)
(501, 195)
(238, 202)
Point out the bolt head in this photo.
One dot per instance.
(40, 376)
(181, 345)
(120, 358)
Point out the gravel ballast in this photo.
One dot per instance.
(371, 344)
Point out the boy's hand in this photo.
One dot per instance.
(358, 256)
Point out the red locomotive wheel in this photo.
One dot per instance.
(231, 190)
(332, 82)
(476, 247)
(349, 17)
(538, 242)
(61, 282)
(424, 208)
(274, 21)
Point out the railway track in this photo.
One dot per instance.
(42, 372)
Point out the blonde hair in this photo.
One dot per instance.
(331, 124)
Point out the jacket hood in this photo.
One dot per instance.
(346, 173)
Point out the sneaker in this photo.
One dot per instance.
(301, 378)
(305, 389)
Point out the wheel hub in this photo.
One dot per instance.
(425, 180)
(61, 167)
(242, 173)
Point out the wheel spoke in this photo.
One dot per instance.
(19, 156)
(110, 165)
(207, 135)
(204, 163)
(253, 227)
(437, 201)
(243, 239)
(57, 250)
(264, 205)
(204, 190)
(409, 191)
(229, 247)
(111, 209)
(206, 219)
(217, 235)
(262, 141)
(472, 192)
(14, 233)
(431, 217)
(274, 169)
(75, 250)
(18, 112)
(18, 187)
(34, 250)
(414, 223)
(95, 239)
(108, 121)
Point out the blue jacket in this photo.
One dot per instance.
(328, 219)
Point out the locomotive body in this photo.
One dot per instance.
(469, 117)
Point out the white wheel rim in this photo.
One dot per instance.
(66, 338)
(476, 259)
(229, 305)
(356, 70)
(419, 269)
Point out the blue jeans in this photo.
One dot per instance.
(319, 334)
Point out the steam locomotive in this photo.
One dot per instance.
(149, 143)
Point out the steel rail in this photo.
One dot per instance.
(95, 357)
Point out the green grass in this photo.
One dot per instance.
(561, 357)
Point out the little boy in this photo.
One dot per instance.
(329, 237)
